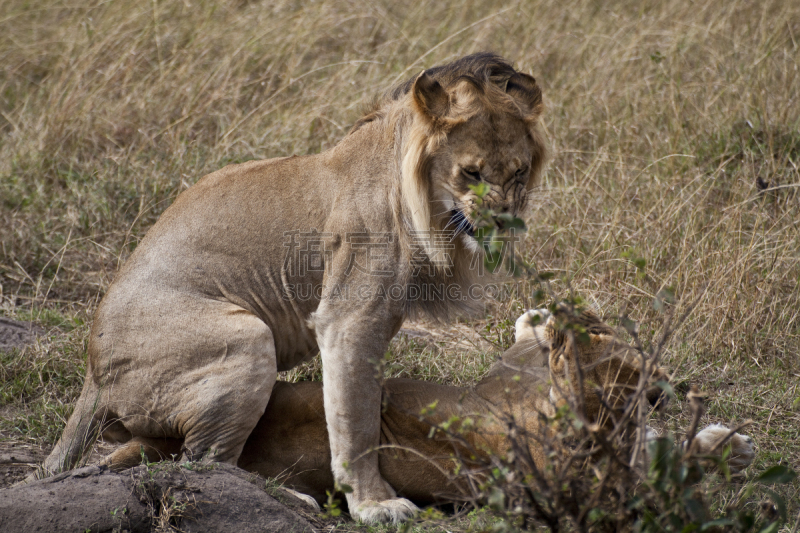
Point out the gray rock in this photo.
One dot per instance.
(74, 501)
(201, 498)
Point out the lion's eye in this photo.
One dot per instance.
(521, 171)
(472, 174)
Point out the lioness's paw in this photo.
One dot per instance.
(394, 510)
(526, 324)
(742, 453)
(742, 446)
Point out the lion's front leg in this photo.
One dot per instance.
(351, 346)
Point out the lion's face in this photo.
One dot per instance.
(493, 149)
(611, 368)
(466, 134)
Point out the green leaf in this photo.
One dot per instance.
(496, 499)
(666, 387)
(717, 523)
(777, 474)
(664, 296)
(480, 189)
(722, 464)
(634, 503)
(511, 222)
(596, 514)
(630, 326)
(771, 528)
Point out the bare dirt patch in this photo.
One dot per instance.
(16, 334)
(17, 459)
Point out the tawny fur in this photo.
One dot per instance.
(290, 441)
(188, 340)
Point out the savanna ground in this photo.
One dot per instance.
(675, 134)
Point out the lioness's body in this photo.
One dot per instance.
(218, 297)
(290, 442)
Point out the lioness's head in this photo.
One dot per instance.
(611, 369)
(473, 121)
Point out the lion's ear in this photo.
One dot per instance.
(526, 93)
(430, 98)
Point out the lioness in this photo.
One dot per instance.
(290, 442)
(259, 266)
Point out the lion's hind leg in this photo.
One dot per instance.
(222, 401)
(189, 368)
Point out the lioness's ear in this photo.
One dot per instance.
(528, 96)
(557, 339)
(430, 98)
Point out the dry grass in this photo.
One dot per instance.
(664, 118)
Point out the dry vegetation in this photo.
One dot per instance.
(675, 129)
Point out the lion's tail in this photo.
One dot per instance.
(82, 430)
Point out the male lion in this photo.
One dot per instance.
(290, 442)
(258, 266)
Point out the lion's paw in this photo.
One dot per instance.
(526, 324)
(742, 446)
(394, 510)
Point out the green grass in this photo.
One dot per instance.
(662, 117)
(41, 381)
